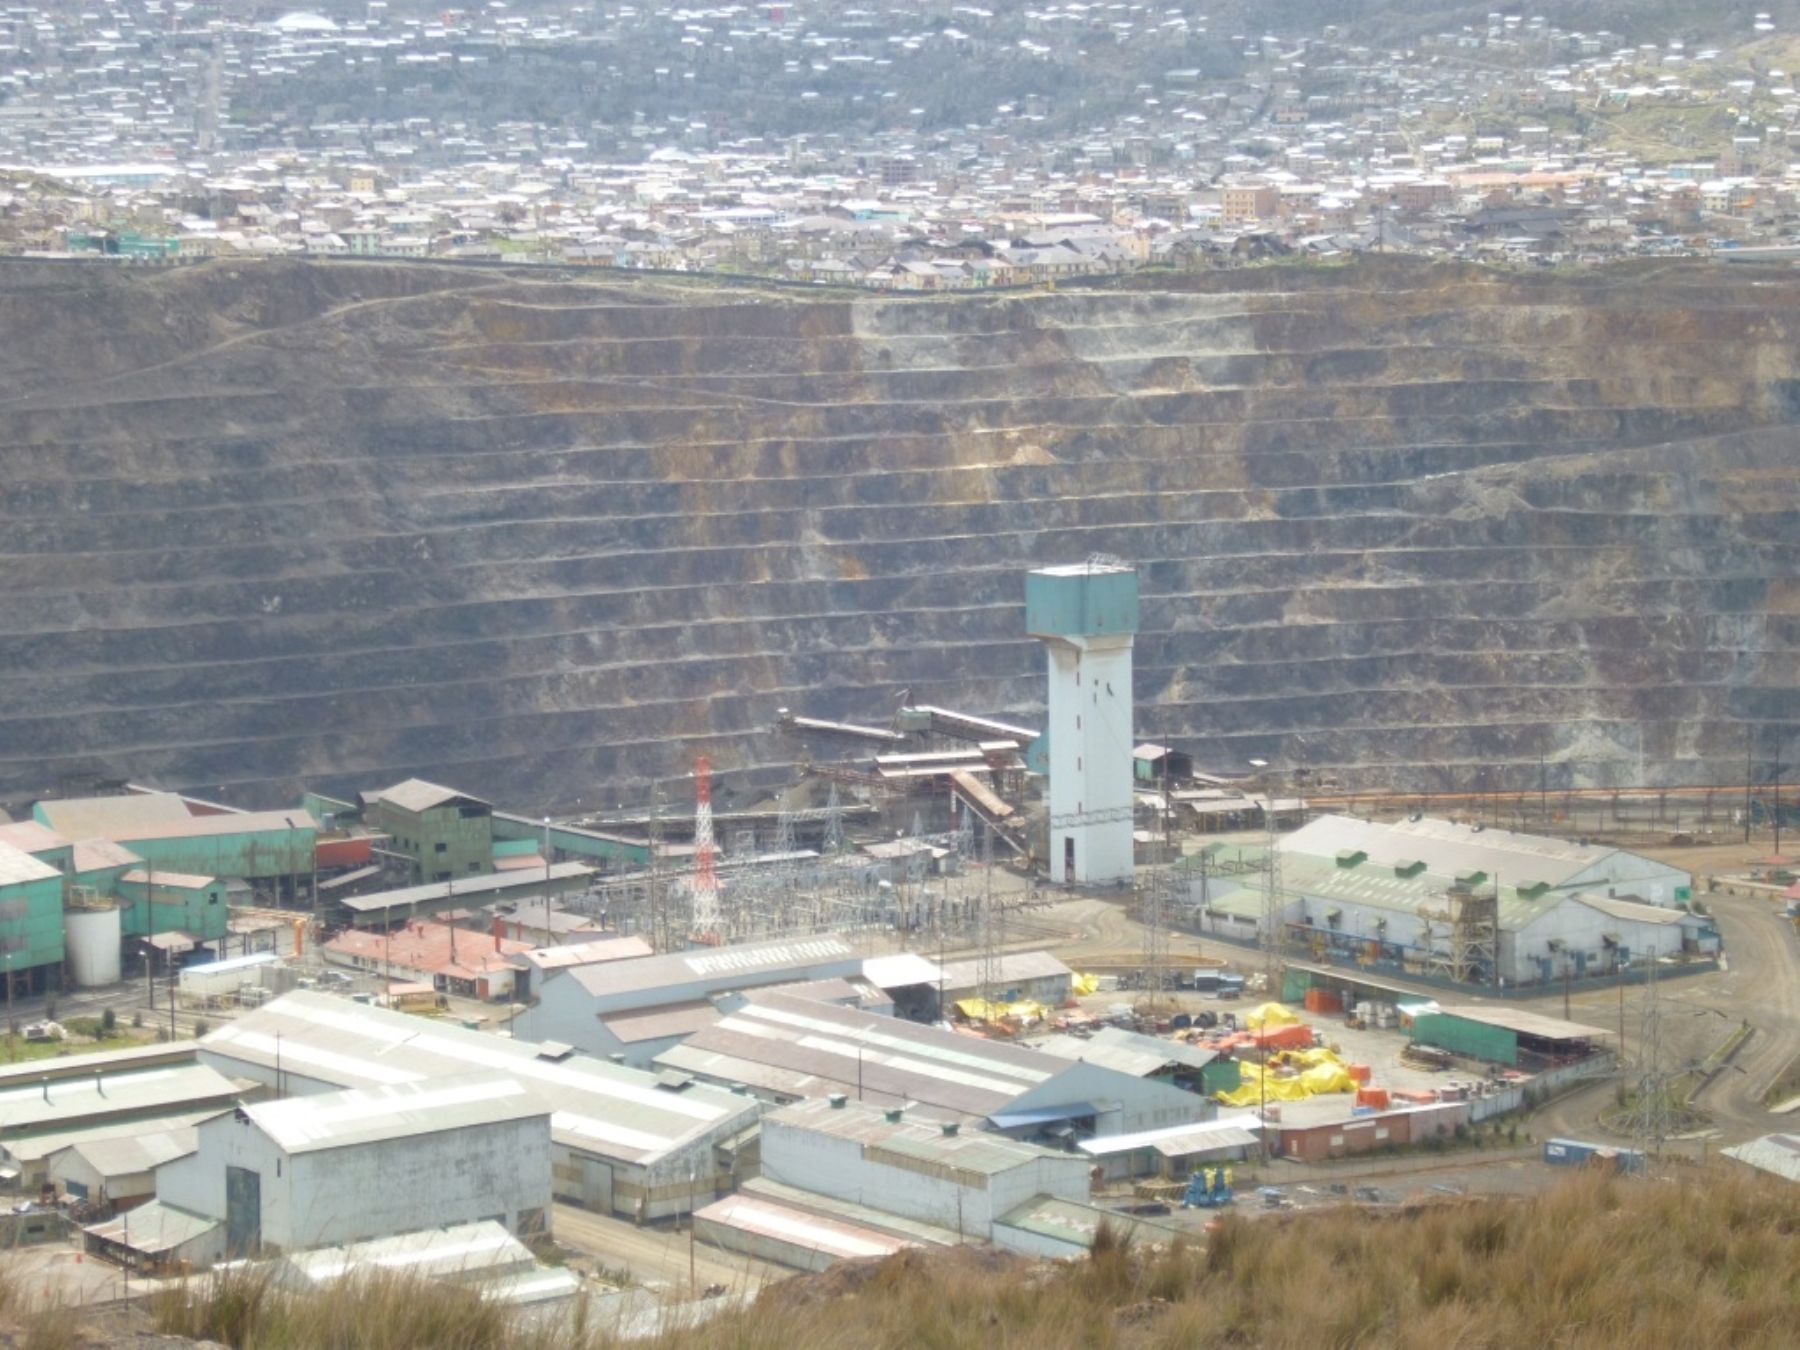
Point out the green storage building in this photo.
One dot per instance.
(444, 834)
(173, 902)
(31, 922)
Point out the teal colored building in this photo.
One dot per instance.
(31, 922)
(267, 846)
(569, 841)
(173, 902)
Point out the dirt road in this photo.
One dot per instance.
(657, 1257)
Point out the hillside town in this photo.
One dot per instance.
(822, 144)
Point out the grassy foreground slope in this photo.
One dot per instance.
(1713, 1260)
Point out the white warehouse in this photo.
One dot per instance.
(620, 1141)
(639, 1008)
(1395, 894)
(931, 1171)
(349, 1166)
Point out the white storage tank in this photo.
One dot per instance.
(92, 935)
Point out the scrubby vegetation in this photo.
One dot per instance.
(1597, 1261)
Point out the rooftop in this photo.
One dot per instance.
(1448, 849)
(1775, 1153)
(1525, 1023)
(1127, 1051)
(437, 947)
(715, 964)
(416, 795)
(917, 1138)
(396, 1111)
(588, 953)
(598, 1107)
(18, 867)
(1012, 966)
(460, 888)
(153, 1228)
(106, 817)
(30, 837)
(460, 1252)
(66, 1102)
(797, 1047)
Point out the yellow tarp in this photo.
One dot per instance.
(1270, 1015)
(1087, 984)
(980, 1010)
(1320, 1072)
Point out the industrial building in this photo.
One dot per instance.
(389, 907)
(49, 1105)
(482, 1256)
(601, 1008)
(163, 830)
(118, 1170)
(440, 832)
(1176, 1151)
(786, 1048)
(1086, 614)
(450, 960)
(842, 1179)
(1186, 1066)
(1506, 1035)
(31, 922)
(337, 1167)
(1459, 902)
(1036, 977)
(621, 1140)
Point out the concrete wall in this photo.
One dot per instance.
(499, 1171)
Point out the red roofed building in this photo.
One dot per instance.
(452, 960)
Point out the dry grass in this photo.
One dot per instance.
(1712, 1261)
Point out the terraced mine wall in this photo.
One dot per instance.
(546, 535)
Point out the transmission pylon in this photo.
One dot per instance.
(993, 924)
(834, 824)
(1650, 1124)
(706, 876)
(660, 936)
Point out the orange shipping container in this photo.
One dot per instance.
(1372, 1096)
(1359, 1073)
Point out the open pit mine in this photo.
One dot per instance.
(549, 535)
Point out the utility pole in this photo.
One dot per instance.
(1749, 743)
(1775, 811)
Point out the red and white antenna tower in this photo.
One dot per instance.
(706, 875)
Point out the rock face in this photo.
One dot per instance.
(546, 536)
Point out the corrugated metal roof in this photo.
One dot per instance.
(1525, 1023)
(153, 1228)
(458, 888)
(912, 1136)
(1632, 911)
(589, 953)
(1013, 967)
(30, 837)
(395, 1111)
(653, 1024)
(463, 1251)
(93, 855)
(67, 1102)
(1177, 1141)
(124, 1155)
(821, 1047)
(18, 867)
(766, 1219)
(749, 959)
(177, 881)
(417, 795)
(601, 1108)
(1448, 848)
(106, 817)
(1776, 1153)
(900, 970)
(1127, 1051)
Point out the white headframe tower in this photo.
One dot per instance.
(1086, 615)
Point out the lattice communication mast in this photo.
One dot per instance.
(706, 875)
